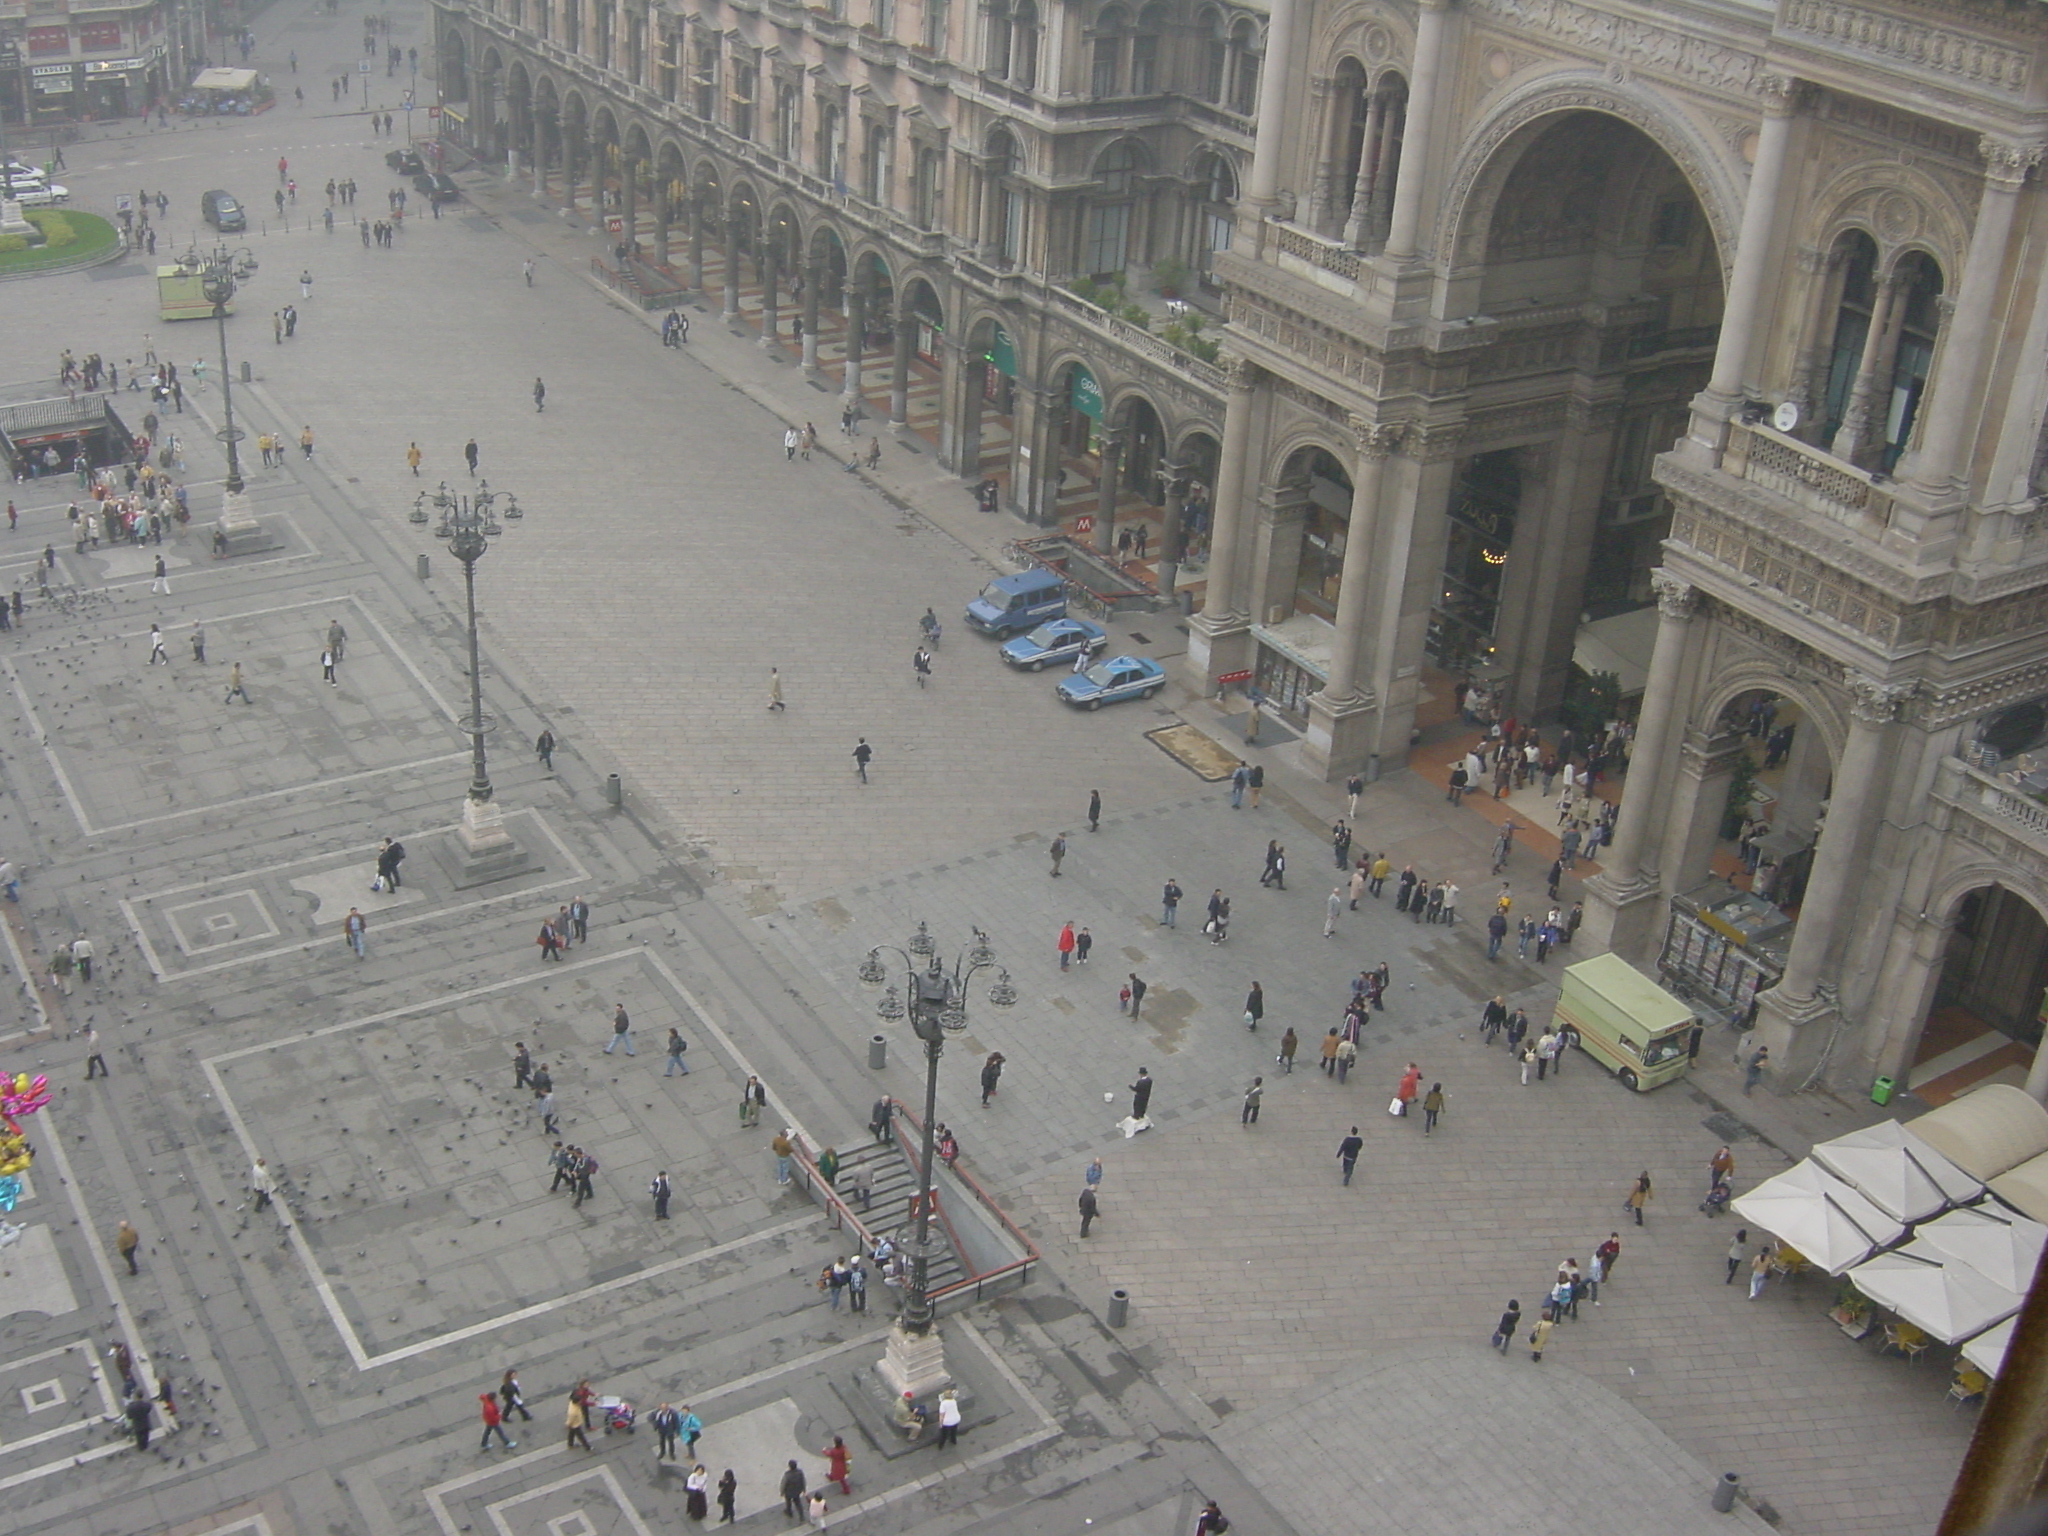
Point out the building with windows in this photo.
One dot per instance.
(1714, 328)
(79, 60)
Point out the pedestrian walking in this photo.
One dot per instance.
(880, 1116)
(574, 1420)
(1639, 1196)
(1759, 1271)
(1432, 1106)
(838, 1463)
(1357, 884)
(1240, 777)
(509, 1397)
(622, 1031)
(550, 943)
(658, 1187)
(1720, 1169)
(728, 1496)
(540, 396)
(1539, 1336)
(676, 1046)
(1752, 1072)
(1340, 844)
(784, 1149)
(95, 1063)
(1137, 987)
(1546, 1052)
(1329, 1052)
(1347, 1152)
(494, 1424)
(991, 1074)
(1527, 1058)
(1333, 906)
(156, 647)
(586, 1170)
(775, 704)
(667, 1422)
(862, 755)
(793, 1485)
(1504, 1330)
(1406, 1089)
(235, 688)
(949, 1418)
(1735, 1253)
(1254, 1006)
(160, 585)
(1252, 1097)
(791, 441)
(753, 1098)
(1353, 788)
(544, 1106)
(544, 749)
(1065, 943)
(138, 1412)
(1141, 1094)
(81, 956)
(126, 1241)
(356, 929)
(1289, 1044)
(1058, 851)
(1169, 904)
(1382, 867)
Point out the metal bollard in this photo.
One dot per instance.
(878, 1052)
(1724, 1493)
(424, 569)
(1119, 1308)
(614, 791)
(246, 375)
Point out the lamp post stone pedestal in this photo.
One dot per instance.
(914, 1363)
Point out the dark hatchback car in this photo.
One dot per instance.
(406, 162)
(222, 211)
(436, 186)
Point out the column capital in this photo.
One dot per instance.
(1783, 94)
(1875, 702)
(2007, 161)
(1377, 439)
(1243, 375)
(1675, 599)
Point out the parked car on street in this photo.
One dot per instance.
(221, 210)
(436, 186)
(406, 161)
(32, 189)
(1011, 604)
(1113, 681)
(1059, 640)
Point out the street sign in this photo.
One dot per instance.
(362, 66)
(1084, 523)
(433, 111)
(1235, 677)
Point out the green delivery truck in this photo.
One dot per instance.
(1625, 1021)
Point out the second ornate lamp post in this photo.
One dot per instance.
(937, 1005)
(220, 271)
(468, 524)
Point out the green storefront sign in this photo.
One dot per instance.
(1002, 355)
(1086, 395)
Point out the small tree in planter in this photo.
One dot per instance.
(1170, 277)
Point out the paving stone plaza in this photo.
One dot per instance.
(1312, 1356)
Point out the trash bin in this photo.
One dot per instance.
(1119, 1308)
(1724, 1493)
(614, 791)
(878, 1051)
(246, 375)
(1881, 1091)
(423, 567)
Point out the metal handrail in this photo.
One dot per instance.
(903, 1112)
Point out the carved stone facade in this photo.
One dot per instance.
(1752, 301)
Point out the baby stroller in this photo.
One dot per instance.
(617, 1413)
(1717, 1199)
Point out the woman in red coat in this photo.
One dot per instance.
(1411, 1080)
(837, 1459)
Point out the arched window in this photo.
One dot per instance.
(925, 192)
(1106, 232)
(1919, 325)
(1145, 50)
(1858, 255)
(996, 57)
(1244, 58)
(1215, 191)
(1215, 55)
(1024, 51)
(1109, 51)
(1006, 197)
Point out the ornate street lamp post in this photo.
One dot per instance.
(468, 524)
(220, 272)
(937, 1004)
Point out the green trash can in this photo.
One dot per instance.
(1881, 1091)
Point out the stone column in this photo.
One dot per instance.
(814, 283)
(1263, 187)
(1322, 98)
(731, 307)
(1620, 883)
(1358, 223)
(629, 211)
(1837, 862)
(1167, 567)
(696, 211)
(771, 311)
(1386, 162)
(1953, 395)
(1755, 268)
(1879, 344)
(899, 379)
(1827, 274)
(663, 213)
(960, 409)
(856, 341)
(1110, 448)
(1339, 715)
(1405, 232)
(540, 158)
(1226, 560)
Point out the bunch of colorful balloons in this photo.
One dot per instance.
(20, 1096)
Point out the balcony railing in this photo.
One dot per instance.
(1810, 479)
(1316, 250)
(1132, 339)
(1998, 804)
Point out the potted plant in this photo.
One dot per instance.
(1170, 277)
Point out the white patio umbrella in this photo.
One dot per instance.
(2001, 1245)
(1900, 1174)
(1987, 1350)
(1945, 1301)
(1812, 1211)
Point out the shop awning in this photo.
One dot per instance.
(1948, 1302)
(224, 80)
(2001, 1245)
(1984, 1133)
(1826, 1221)
(1987, 1350)
(1901, 1174)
